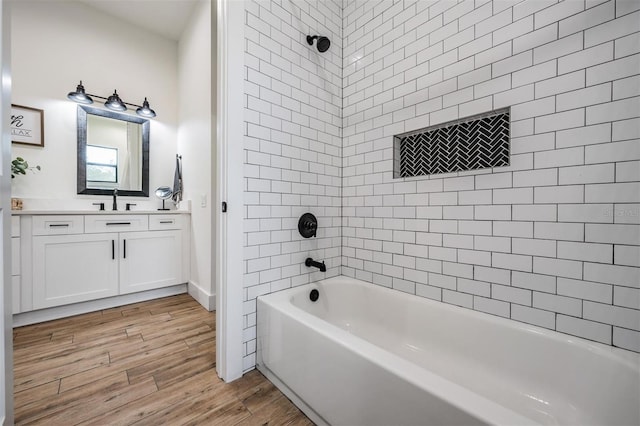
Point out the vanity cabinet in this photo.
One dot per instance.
(73, 268)
(16, 260)
(150, 260)
(80, 258)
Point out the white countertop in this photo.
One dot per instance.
(95, 212)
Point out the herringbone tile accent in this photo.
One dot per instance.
(477, 143)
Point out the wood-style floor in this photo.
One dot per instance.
(151, 363)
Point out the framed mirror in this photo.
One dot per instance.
(113, 153)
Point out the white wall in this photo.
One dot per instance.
(196, 146)
(293, 101)
(553, 239)
(56, 44)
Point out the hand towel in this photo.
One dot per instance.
(177, 182)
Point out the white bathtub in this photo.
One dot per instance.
(366, 355)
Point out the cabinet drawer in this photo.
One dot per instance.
(58, 225)
(113, 223)
(15, 226)
(165, 221)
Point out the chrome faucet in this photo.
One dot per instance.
(115, 204)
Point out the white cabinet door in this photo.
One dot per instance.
(15, 282)
(15, 256)
(74, 268)
(150, 260)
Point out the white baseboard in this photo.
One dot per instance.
(203, 297)
(57, 312)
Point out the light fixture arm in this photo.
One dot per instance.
(102, 97)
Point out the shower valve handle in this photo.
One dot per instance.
(307, 225)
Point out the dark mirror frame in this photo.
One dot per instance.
(82, 151)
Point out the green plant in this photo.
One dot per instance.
(19, 166)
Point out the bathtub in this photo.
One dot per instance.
(367, 355)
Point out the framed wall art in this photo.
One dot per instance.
(27, 125)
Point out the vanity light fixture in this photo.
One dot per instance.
(113, 102)
(79, 95)
(145, 111)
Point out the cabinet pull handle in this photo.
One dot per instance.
(166, 221)
(118, 223)
(113, 249)
(52, 225)
(125, 248)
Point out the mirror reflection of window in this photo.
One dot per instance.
(102, 164)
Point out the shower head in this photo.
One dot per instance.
(322, 42)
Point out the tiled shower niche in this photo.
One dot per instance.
(472, 143)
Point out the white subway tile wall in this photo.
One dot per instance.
(293, 148)
(551, 240)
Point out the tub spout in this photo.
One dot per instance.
(320, 265)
